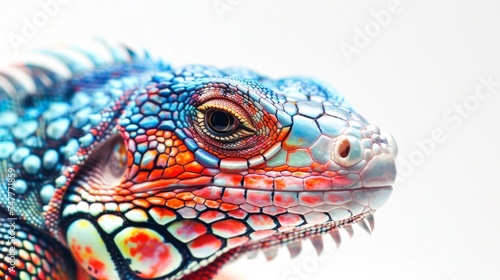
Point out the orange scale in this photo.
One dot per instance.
(194, 167)
(228, 228)
(317, 167)
(151, 131)
(171, 161)
(175, 203)
(212, 203)
(166, 195)
(317, 183)
(173, 171)
(156, 174)
(190, 203)
(141, 203)
(184, 158)
(228, 207)
(185, 196)
(141, 177)
(237, 241)
(199, 200)
(254, 181)
(305, 170)
(156, 200)
(130, 158)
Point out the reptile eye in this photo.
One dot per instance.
(224, 122)
(220, 122)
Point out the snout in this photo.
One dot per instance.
(368, 152)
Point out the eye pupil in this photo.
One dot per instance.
(220, 122)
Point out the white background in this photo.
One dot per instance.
(442, 221)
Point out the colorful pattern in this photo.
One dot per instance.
(170, 177)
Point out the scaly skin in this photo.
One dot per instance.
(118, 175)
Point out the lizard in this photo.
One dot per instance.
(115, 165)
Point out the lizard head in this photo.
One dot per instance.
(205, 165)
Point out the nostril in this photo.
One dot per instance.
(347, 151)
(344, 148)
